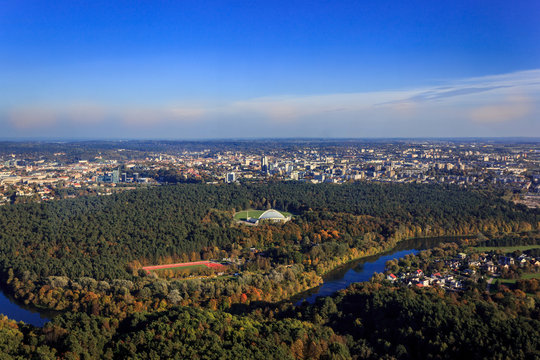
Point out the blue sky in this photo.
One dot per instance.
(220, 69)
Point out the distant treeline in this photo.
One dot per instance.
(511, 240)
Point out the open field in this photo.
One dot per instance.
(523, 277)
(506, 249)
(244, 214)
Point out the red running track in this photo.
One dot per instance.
(209, 264)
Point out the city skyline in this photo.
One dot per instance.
(281, 70)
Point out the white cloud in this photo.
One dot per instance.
(47, 116)
(484, 92)
(511, 108)
(466, 107)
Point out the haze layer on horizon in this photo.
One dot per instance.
(281, 69)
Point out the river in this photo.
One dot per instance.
(363, 269)
(340, 278)
(20, 312)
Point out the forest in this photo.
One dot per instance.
(372, 320)
(99, 236)
(84, 257)
(87, 253)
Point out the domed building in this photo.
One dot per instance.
(269, 216)
(272, 215)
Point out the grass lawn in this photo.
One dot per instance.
(523, 277)
(506, 249)
(241, 215)
(531, 276)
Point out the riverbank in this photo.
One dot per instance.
(362, 269)
(15, 310)
(396, 245)
(333, 272)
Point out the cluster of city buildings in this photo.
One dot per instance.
(471, 164)
(42, 180)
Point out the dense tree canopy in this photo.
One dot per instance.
(99, 236)
(366, 321)
(83, 256)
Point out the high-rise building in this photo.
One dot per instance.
(115, 177)
(231, 177)
(264, 164)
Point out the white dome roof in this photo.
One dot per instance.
(271, 214)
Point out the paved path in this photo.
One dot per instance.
(490, 280)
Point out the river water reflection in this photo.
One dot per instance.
(363, 269)
(19, 312)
